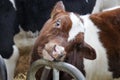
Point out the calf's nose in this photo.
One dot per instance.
(58, 52)
(53, 51)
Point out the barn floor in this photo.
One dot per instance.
(22, 67)
(20, 77)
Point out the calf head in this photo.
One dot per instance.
(62, 34)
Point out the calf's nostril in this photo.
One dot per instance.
(61, 55)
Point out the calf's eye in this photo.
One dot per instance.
(58, 23)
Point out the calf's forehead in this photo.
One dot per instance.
(77, 26)
(71, 23)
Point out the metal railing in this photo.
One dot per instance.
(3, 73)
(56, 66)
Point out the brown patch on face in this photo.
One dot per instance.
(65, 22)
(109, 24)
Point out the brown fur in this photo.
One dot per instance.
(109, 24)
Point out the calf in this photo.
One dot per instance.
(54, 41)
(89, 42)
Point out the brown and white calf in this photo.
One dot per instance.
(90, 42)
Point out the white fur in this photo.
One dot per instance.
(11, 63)
(105, 4)
(13, 2)
(76, 26)
(87, 1)
(95, 69)
(111, 8)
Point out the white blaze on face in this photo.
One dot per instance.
(77, 26)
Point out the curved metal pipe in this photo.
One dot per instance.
(61, 66)
(3, 72)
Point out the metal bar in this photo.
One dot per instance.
(55, 74)
(3, 71)
(45, 73)
(61, 66)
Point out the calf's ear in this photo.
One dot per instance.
(59, 7)
(87, 51)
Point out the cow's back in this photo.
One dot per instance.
(106, 43)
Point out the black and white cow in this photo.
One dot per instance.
(33, 13)
(8, 28)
